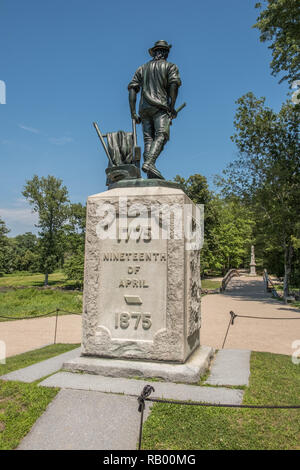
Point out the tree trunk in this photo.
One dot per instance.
(288, 253)
(46, 279)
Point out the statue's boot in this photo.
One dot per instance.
(152, 171)
(149, 165)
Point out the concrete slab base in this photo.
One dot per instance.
(132, 387)
(189, 372)
(230, 367)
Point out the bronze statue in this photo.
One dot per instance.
(158, 81)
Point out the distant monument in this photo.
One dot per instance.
(142, 288)
(252, 262)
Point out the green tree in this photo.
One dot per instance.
(74, 267)
(75, 228)
(49, 198)
(232, 235)
(279, 23)
(267, 173)
(3, 246)
(74, 243)
(227, 227)
(25, 251)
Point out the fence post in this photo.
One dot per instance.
(57, 310)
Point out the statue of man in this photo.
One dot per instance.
(158, 81)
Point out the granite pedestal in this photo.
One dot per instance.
(142, 287)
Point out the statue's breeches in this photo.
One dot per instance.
(155, 121)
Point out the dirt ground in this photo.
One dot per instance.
(24, 335)
(246, 296)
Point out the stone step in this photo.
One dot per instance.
(165, 390)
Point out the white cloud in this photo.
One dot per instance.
(19, 218)
(29, 129)
(18, 215)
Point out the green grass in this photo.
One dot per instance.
(30, 302)
(32, 357)
(33, 280)
(21, 404)
(274, 380)
(210, 284)
(279, 289)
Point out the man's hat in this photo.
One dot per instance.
(160, 45)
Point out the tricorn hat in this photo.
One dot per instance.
(160, 45)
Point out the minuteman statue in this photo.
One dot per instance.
(158, 81)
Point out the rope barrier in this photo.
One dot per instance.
(141, 401)
(56, 311)
(233, 316)
(40, 316)
(148, 389)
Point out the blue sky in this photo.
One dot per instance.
(68, 63)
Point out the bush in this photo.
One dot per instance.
(74, 267)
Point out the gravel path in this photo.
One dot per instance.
(24, 335)
(246, 296)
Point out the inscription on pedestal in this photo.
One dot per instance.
(132, 288)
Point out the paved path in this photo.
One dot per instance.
(86, 420)
(246, 296)
(95, 412)
(41, 369)
(24, 335)
(230, 367)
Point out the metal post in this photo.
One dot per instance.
(141, 426)
(57, 310)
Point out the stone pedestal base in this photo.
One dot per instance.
(252, 270)
(190, 372)
(142, 275)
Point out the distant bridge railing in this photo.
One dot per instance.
(269, 285)
(227, 278)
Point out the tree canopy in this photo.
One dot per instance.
(267, 172)
(49, 198)
(279, 23)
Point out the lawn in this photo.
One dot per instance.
(34, 280)
(30, 302)
(274, 380)
(210, 284)
(21, 404)
(32, 357)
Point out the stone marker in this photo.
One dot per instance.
(142, 278)
(252, 262)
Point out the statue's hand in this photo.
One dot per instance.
(173, 113)
(136, 117)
